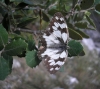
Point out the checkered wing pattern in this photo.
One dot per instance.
(53, 43)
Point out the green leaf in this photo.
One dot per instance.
(77, 8)
(85, 4)
(30, 2)
(82, 53)
(63, 5)
(66, 8)
(96, 2)
(78, 17)
(15, 47)
(26, 21)
(82, 25)
(3, 11)
(97, 7)
(16, 0)
(74, 3)
(90, 21)
(7, 2)
(74, 35)
(75, 48)
(4, 68)
(32, 59)
(21, 6)
(53, 10)
(45, 17)
(3, 36)
(6, 22)
(23, 54)
(82, 33)
(9, 60)
(31, 45)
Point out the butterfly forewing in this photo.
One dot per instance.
(53, 43)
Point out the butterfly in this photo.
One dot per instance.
(54, 44)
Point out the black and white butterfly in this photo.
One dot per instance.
(53, 49)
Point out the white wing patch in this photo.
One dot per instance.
(57, 68)
(55, 56)
(56, 18)
(64, 37)
(54, 27)
(60, 63)
(49, 52)
(63, 55)
(56, 24)
(62, 19)
(53, 63)
(63, 25)
(51, 38)
(57, 34)
(51, 69)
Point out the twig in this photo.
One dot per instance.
(28, 30)
(75, 12)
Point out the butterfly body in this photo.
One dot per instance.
(53, 49)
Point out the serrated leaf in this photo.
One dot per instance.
(97, 7)
(26, 21)
(75, 48)
(82, 25)
(23, 54)
(85, 4)
(32, 59)
(74, 35)
(31, 42)
(3, 36)
(90, 21)
(15, 47)
(4, 68)
(31, 45)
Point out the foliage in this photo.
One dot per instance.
(21, 16)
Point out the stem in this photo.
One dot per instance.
(75, 12)
(13, 19)
(28, 30)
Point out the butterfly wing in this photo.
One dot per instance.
(56, 33)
